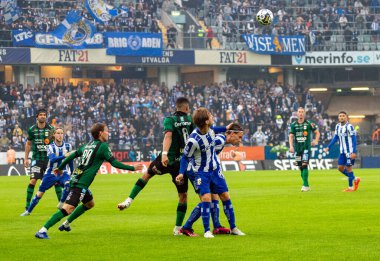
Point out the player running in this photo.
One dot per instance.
(57, 151)
(92, 155)
(345, 133)
(300, 134)
(39, 137)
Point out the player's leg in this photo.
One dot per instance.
(36, 172)
(47, 182)
(155, 167)
(87, 204)
(187, 229)
(73, 200)
(342, 163)
(230, 213)
(65, 193)
(204, 181)
(30, 190)
(58, 191)
(182, 198)
(305, 171)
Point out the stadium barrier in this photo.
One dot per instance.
(13, 170)
(370, 162)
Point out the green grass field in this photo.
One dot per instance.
(281, 223)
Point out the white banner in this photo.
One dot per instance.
(70, 56)
(207, 57)
(337, 58)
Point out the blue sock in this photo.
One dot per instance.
(351, 179)
(194, 216)
(215, 213)
(345, 172)
(65, 192)
(205, 210)
(229, 211)
(34, 203)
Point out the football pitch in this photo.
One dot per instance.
(281, 222)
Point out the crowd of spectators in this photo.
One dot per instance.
(323, 23)
(44, 16)
(134, 111)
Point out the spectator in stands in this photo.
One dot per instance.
(210, 36)
(172, 37)
(11, 155)
(259, 138)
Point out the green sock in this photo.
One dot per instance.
(29, 194)
(58, 191)
(54, 219)
(79, 210)
(181, 212)
(305, 177)
(140, 184)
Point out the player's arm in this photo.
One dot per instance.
(352, 133)
(219, 129)
(188, 152)
(291, 140)
(168, 138)
(28, 148)
(71, 157)
(52, 157)
(332, 142)
(317, 135)
(108, 156)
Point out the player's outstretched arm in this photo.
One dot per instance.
(68, 159)
(291, 148)
(119, 165)
(332, 142)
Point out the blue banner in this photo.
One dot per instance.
(168, 57)
(103, 12)
(43, 40)
(282, 45)
(134, 44)
(14, 55)
(23, 38)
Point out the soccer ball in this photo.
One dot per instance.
(264, 17)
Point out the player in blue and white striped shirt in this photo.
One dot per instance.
(219, 187)
(200, 150)
(346, 135)
(57, 151)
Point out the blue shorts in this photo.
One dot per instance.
(49, 180)
(344, 160)
(191, 176)
(210, 182)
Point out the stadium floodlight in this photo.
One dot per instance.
(318, 89)
(360, 89)
(357, 116)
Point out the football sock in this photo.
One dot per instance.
(79, 210)
(140, 184)
(58, 191)
(229, 211)
(29, 194)
(34, 203)
(351, 178)
(194, 216)
(65, 192)
(181, 212)
(305, 177)
(55, 218)
(205, 212)
(215, 213)
(345, 172)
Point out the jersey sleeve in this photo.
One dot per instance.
(313, 126)
(30, 134)
(292, 129)
(168, 125)
(190, 148)
(106, 152)
(351, 131)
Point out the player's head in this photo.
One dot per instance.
(58, 134)
(182, 104)
(99, 131)
(41, 115)
(301, 113)
(234, 134)
(342, 117)
(203, 118)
